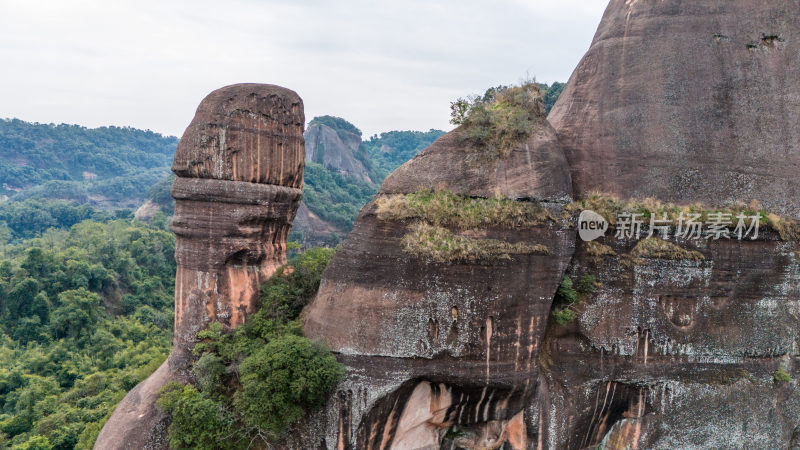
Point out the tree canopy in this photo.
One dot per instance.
(85, 315)
(77, 163)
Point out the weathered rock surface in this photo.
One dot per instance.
(245, 132)
(231, 237)
(536, 169)
(688, 101)
(431, 345)
(335, 150)
(136, 423)
(677, 353)
(683, 101)
(240, 170)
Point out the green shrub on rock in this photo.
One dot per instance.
(197, 421)
(256, 381)
(566, 294)
(564, 316)
(494, 124)
(782, 376)
(283, 379)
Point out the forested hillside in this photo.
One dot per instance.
(107, 166)
(337, 198)
(45, 170)
(85, 314)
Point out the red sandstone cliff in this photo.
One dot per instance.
(683, 101)
(688, 101)
(240, 172)
(432, 344)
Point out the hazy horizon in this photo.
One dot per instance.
(380, 65)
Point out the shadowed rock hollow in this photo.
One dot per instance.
(240, 172)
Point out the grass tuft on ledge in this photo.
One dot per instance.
(597, 250)
(609, 205)
(446, 209)
(438, 244)
(661, 249)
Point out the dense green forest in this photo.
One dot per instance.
(85, 314)
(31, 217)
(102, 165)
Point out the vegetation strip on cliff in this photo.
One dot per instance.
(609, 206)
(433, 211)
(255, 382)
(441, 245)
(446, 209)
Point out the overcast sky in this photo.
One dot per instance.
(381, 65)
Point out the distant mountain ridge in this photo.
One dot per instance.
(122, 167)
(113, 168)
(336, 145)
(106, 166)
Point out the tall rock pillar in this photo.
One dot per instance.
(240, 173)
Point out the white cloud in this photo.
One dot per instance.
(382, 65)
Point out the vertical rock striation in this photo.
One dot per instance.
(240, 173)
(677, 353)
(688, 101)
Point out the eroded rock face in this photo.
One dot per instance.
(682, 101)
(677, 353)
(536, 169)
(432, 345)
(240, 172)
(688, 101)
(231, 238)
(240, 168)
(245, 132)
